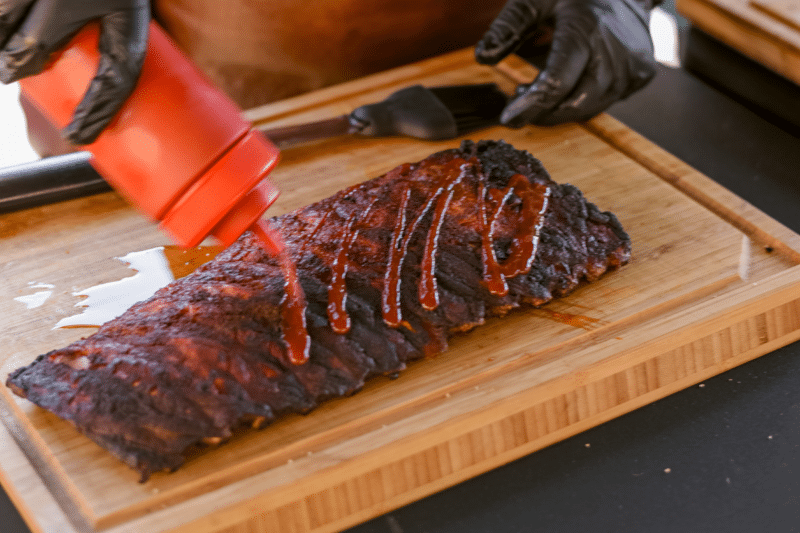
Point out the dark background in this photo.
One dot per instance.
(724, 456)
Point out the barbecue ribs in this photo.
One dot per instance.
(389, 269)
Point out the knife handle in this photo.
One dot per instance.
(311, 131)
(51, 179)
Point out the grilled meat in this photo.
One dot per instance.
(388, 270)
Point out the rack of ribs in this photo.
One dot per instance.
(376, 276)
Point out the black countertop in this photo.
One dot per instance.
(721, 456)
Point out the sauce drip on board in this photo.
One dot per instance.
(576, 321)
(184, 261)
(450, 174)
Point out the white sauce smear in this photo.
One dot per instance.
(38, 298)
(109, 300)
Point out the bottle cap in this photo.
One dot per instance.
(230, 196)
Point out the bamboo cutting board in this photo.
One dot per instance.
(768, 31)
(712, 283)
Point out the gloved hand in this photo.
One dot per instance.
(600, 52)
(31, 30)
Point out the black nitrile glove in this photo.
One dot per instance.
(31, 30)
(600, 52)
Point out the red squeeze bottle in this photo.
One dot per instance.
(179, 149)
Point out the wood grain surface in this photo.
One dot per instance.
(684, 309)
(786, 11)
(767, 31)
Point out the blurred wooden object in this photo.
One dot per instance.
(767, 31)
(786, 11)
(259, 52)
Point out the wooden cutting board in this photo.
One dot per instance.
(767, 31)
(785, 11)
(712, 283)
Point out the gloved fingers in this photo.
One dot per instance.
(507, 31)
(11, 13)
(610, 76)
(621, 64)
(535, 48)
(569, 56)
(594, 93)
(31, 31)
(27, 50)
(123, 46)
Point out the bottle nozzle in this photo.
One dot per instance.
(269, 238)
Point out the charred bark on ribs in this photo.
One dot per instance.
(207, 353)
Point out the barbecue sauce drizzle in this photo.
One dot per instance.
(450, 175)
(534, 199)
(293, 313)
(533, 204)
(337, 290)
(390, 296)
(428, 291)
(294, 305)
